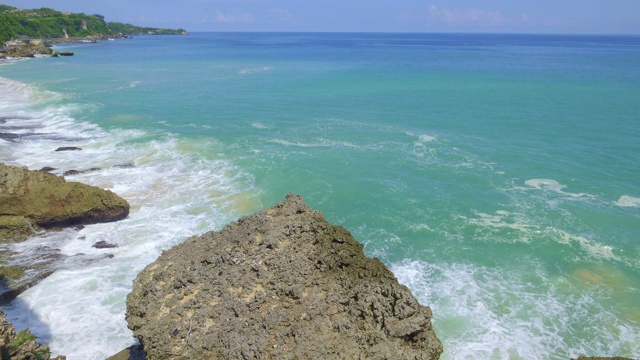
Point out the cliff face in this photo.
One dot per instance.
(32, 199)
(280, 284)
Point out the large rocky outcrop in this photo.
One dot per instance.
(33, 199)
(27, 48)
(21, 345)
(280, 284)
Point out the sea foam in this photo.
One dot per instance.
(491, 313)
(175, 191)
(628, 201)
(553, 185)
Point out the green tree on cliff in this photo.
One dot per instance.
(50, 23)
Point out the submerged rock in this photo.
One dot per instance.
(280, 284)
(68, 148)
(30, 200)
(104, 245)
(71, 172)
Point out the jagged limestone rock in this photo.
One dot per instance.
(280, 284)
(27, 48)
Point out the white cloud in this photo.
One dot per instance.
(281, 14)
(471, 16)
(221, 17)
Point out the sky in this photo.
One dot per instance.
(486, 16)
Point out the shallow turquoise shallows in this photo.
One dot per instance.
(498, 176)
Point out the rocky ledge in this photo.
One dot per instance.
(26, 48)
(35, 200)
(280, 284)
(21, 345)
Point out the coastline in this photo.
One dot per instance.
(34, 47)
(502, 222)
(34, 133)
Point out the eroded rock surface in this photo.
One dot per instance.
(34, 199)
(280, 284)
(21, 345)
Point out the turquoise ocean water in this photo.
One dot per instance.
(498, 176)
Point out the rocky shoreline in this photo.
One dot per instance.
(282, 283)
(26, 48)
(35, 202)
(30, 48)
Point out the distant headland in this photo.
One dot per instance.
(20, 27)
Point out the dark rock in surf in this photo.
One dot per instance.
(77, 172)
(68, 148)
(71, 172)
(283, 283)
(104, 245)
(125, 166)
(47, 169)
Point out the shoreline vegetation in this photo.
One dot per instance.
(28, 33)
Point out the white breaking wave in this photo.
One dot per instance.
(422, 138)
(491, 313)
(258, 125)
(174, 192)
(628, 201)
